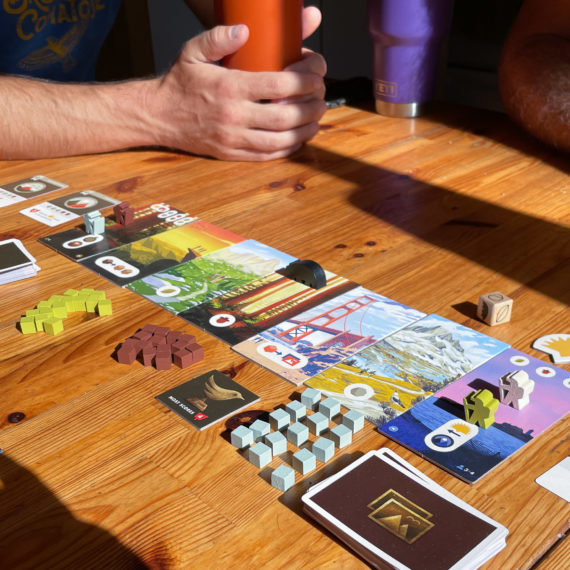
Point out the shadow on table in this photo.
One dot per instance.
(524, 248)
(38, 531)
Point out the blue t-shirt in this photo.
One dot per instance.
(54, 39)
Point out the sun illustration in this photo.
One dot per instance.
(461, 428)
(559, 344)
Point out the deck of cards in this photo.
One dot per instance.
(390, 513)
(16, 263)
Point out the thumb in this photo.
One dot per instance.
(214, 44)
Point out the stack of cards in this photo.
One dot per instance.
(390, 513)
(15, 262)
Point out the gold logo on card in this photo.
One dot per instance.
(400, 516)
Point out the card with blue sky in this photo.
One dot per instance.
(183, 286)
(390, 376)
(436, 428)
(328, 333)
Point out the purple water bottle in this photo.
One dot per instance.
(407, 37)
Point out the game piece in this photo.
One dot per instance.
(276, 440)
(515, 389)
(260, 455)
(241, 437)
(207, 399)
(127, 351)
(297, 434)
(283, 478)
(148, 353)
(317, 423)
(163, 357)
(104, 308)
(259, 429)
(53, 326)
(329, 407)
(124, 214)
(310, 397)
(323, 449)
(556, 345)
(279, 419)
(353, 420)
(494, 308)
(296, 410)
(480, 408)
(304, 461)
(305, 271)
(27, 325)
(341, 435)
(94, 223)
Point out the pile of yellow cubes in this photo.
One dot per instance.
(48, 315)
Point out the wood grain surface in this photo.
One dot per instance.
(432, 212)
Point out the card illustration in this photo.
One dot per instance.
(207, 399)
(159, 252)
(148, 221)
(21, 190)
(261, 304)
(437, 430)
(328, 333)
(186, 285)
(398, 372)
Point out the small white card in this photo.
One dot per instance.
(557, 479)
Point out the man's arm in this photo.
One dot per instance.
(196, 106)
(534, 74)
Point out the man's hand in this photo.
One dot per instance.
(205, 109)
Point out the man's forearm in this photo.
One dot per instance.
(44, 119)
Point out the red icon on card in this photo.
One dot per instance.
(270, 348)
(200, 416)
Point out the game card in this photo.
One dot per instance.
(186, 285)
(394, 374)
(437, 430)
(261, 304)
(148, 221)
(328, 333)
(21, 190)
(557, 479)
(207, 399)
(70, 207)
(159, 252)
(387, 514)
(13, 255)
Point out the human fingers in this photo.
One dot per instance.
(277, 84)
(212, 45)
(284, 117)
(310, 62)
(311, 20)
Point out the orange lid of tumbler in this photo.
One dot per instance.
(275, 35)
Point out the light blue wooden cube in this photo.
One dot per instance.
(310, 397)
(276, 440)
(304, 461)
(341, 435)
(317, 423)
(283, 478)
(353, 420)
(259, 429)
(297, 433)
(296, 410)
(241, 437)
(323, 449)
(329, 407)
(260, 455)
(279, 419)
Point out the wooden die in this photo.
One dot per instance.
(495, 308)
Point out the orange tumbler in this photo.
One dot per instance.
(274, 32)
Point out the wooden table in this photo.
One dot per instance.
(432, 212)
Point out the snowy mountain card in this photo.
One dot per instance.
(207, 399)
(396, 373)
(437, 430)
